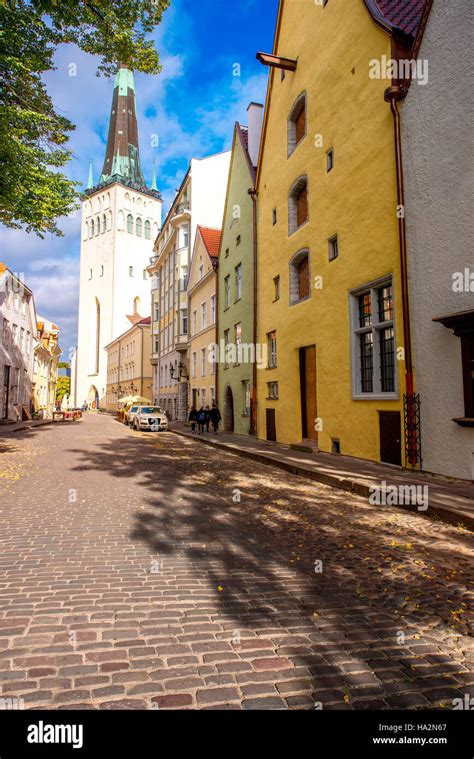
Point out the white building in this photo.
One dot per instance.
(199, 201)
(437, 151)
(120, 219)
(17, 331)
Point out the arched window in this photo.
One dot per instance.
(86, 231)
(136, 305)
(97, 336)
(130, 224)
(298, 204)
(91, 234)
(109, 221)
(139, 227)
(127, 200)
(300, 277)
(104, 224)
(297, 123)
(147, 230)
(120, 221)
(97, 226)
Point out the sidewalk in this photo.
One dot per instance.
(450, 501)
(5, 429)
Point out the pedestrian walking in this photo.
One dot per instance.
(193, 415)
(202, 417)
(208, 418)
(215, 417)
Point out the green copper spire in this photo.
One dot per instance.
(122, 158)
(90, 183)
(153, 181)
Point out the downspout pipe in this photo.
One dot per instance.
(394, 95)
(253, 418)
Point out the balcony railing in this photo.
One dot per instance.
(182, 207)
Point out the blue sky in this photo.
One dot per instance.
(192, 107)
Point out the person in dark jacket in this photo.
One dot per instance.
(215, 418)
(193, 415)
(208, 418)
(202, 419)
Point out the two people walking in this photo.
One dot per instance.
(204, 417)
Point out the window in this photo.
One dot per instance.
(101, 271)
(147, 230)
(145, 274)
(276, 288)
(272, 390)
(90, 273)
(298, 205)
(204, 315)
(238, 240)
(139, 228)
(130, 271)
(333, 248)
(203, 362)
(227, 253)
(330, 160)
(274, 216)
(194, 365)
(238, 342)
(195, 317)
(374, 370)
(184, 322)
(130, 224)
(201, 271)
(297, 123)
(213, 309)
(104, 224)
(227, 292)
(272, 350)
(203, 396)
(5, 333)
(97, 226)
(238, 282)
(300, 277)
(246, 398)
(185, 237)
(226, 348)
(156, 312)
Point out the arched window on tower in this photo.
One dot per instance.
(104, 224)
(86, 231)
(97, 336)
(139, 227)
(136, 306)
(147, 230)
(130, 224)
(92, 228)
(97, 226)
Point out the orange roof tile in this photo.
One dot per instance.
(212, 240)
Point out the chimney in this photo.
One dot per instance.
(255, 123)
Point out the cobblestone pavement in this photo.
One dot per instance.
(154, 572)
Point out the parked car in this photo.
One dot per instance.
(150, 418)
(130, 414)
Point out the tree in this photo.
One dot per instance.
(33, 136)
(63, 387)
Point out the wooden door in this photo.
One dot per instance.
(271, 425)
(6, 390)
(309, 410)
(390, 437)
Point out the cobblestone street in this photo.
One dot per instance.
(143, 571)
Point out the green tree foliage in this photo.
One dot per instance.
(33, 136)
(63, 387)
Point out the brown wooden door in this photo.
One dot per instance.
(309, 410)
(390, 437)
(271, 425)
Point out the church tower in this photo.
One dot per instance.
(121, 219)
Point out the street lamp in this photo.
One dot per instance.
(181, 372)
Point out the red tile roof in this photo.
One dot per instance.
(212, 240)
(403, 14)
(145, 321)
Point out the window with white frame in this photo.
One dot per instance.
(203, 362)
(213, 309)
(373, 341)
(204, 315)
(195, 318)
(194, 365)
(226, 348)
(227, 292)
(246, 398)
(238, 282)
(238, 342)
(272, 389)
(272, 350)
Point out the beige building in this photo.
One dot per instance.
(129, 369)
(45, 367)
(202, 309)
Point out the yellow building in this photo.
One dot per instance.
(45, 367)
(329, 276)
(202, 309)
(129, 369)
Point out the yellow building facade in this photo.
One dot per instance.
(202, 310)
(129, 371)
(329, 285)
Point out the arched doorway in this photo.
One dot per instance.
(93, 397)
(228, 410)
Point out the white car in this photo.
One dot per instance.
(129, 416)
(150, 418)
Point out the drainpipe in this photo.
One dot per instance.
(394, 95)
(253, 414)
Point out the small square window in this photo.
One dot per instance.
(330, 160)
(227, 253)
(130, 271)
(274, 216)
(335, 446)
(238, 240)
(333, 248)
(272, 388)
